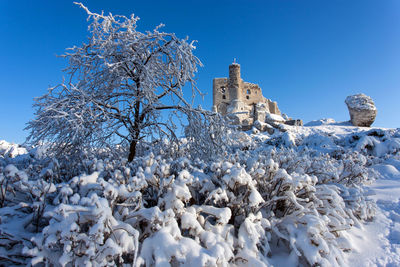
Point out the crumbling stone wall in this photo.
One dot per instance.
(251, 93)
(221, 95)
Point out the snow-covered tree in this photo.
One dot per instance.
(118, 85)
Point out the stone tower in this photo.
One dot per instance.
(234, 81)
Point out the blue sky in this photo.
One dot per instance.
(306, 55)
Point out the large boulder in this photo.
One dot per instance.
(362, 110)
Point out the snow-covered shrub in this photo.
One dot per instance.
(307, 201)
(207, 134)
(85, 233)
(33, 194)
(238, 210)
(246, 208)
(9, 177)
(377, 143)
(23, 203)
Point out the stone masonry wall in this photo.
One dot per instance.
(221, 95)
(251, 94)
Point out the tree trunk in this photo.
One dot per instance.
(135, 140)
(132, 150)
(136, 126)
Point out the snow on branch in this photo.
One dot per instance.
(117, 83)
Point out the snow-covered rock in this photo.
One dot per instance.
(264, 127)
(362, 110)
(11, 150)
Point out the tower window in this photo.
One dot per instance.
(223, 97)
(247, 97)
(248, 91)
(223, 89)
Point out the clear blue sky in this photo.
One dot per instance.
(306, 55)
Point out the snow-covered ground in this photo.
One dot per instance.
(377, 242)
(300, 197)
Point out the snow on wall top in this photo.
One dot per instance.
(360, 102)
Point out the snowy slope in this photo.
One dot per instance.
(377, 243)
(374, 243)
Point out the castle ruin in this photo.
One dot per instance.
(243, 102)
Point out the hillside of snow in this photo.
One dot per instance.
(327, 194)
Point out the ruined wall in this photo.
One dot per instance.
(252, 94)
(221, 95)
(273, 107)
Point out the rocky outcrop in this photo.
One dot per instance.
(362, 110)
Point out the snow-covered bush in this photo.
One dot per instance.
(85, 233)
(306, 204)
(207, 134)
(254, 204)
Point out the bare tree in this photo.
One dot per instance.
(119, 83)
